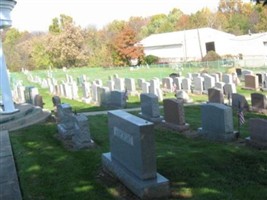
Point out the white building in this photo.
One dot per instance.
(192, 45)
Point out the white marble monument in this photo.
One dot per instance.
(5, 21)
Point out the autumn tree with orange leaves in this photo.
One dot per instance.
(125, 47)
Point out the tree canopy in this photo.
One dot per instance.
(68, 45)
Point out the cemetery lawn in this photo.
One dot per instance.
(197, 169)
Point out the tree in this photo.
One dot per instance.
(125, 48)
(66, 47)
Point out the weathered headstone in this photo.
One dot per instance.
(251, 82)
(174, 114)
(217, 122)
(239, 100)
(258, 133)
(132, 156)
(182, 95)
(258, 101)
(73, 129)
(38, 101)
(150, 107)
(215, 95)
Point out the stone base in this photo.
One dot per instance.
(145, 189)
(249, 88)
(255, 144)
(152, 119)
(263, 111)
(221, 137)
(175, 126)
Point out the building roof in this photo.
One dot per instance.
(178, 37)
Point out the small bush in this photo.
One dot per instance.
(211, 56)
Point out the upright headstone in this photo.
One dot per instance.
(229, 89)
(198, 82)
(174, 114)
(131, 135)
(38, 101)
(177, 81)
(119, 84)
(117, 99)
(150, 107)
(130, 86)
(187, 85)
(145, 87)
(215, 95)
(209, 82)
(239, 102)
(258, 133)
(217, 122)
(258, 101)
(251, 82)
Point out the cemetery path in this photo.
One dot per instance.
(9, 184)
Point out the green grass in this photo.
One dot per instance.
(197, 169)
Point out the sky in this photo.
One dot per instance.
(37, 15)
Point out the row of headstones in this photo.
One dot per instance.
(28, 94)
(94, 93)
(134, 136)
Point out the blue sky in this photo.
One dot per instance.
(37, 15)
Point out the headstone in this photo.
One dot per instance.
(82, 137)
(258, 133)
(154, 88)
(259, 78)
(56, 101)
(73, 129)
(117, 99)
(258, 101)
(130, 86)
(177, 81)
(167, 84)
(220, 85)
(150, 107)
(217, 122)
(238, 71)
(119, 84)
(215, 95)
(229, 89)
(110, 84)
(239, 100)
(251, 82)
(140, 81)
(66, 126)
(174, 114)
(38, 101)
(227, 78)
(131, 135)
(30, 93)
(186, 85)
(198, 82)
(246, 72)
(209, 82)
(182, 95)
(103, 95)
(145, 87)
